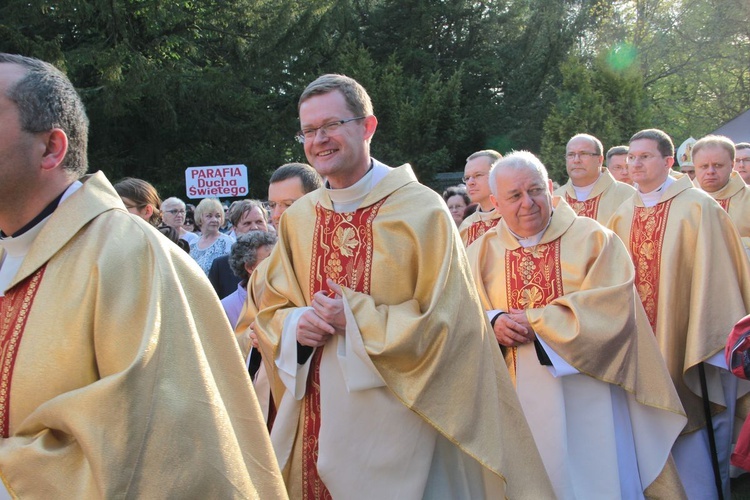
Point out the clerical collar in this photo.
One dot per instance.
(652, 198)
(485, 215)
(583, 192)
(533, 240)
(46, 212)
(350, 198)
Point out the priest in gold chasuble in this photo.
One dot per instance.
(476, 177)
(595, 391)
(591, 191)
(120, 374)
(693, 278)
(713, 157)
(369, 318)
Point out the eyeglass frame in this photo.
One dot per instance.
(176, 211)
(301, 135)
(581, 155)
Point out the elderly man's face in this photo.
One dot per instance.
(713, 166)
(523, 200)
(582, 161)
(742, 164)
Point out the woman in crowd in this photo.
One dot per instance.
(173, 213)
(141, 199)
(209, 215)
(457, 200)
(249, 251)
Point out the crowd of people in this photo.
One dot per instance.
(357, 336)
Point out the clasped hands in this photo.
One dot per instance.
(513, 328)
(325, 319)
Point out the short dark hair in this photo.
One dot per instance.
(452, 191)
(245, 251)
(663, 141)
(46, 100)
(616, 151)
(742, 145)
(307, 175)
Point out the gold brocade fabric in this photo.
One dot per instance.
(646, 241)
(577, 286)
(703, 284)
(607, 195)
(421, 324)
(735, 199)
(128, 382)
(475, 225)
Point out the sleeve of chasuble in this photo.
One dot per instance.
(164, 406)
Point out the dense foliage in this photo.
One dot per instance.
(169, 85)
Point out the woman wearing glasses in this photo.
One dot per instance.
(173, 214)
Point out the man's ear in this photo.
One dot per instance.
(371, 123)
(56, 148)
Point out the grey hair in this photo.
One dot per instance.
(517, 160)
(46, 99)
(245, 251)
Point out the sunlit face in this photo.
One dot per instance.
(742, 164)
(582, 161)
(343, 156)
(252, 220)
(477, 179)
(457, 206)
(262, 254)
(713, 166)
(618, 167)
(647, 167)
(142, 211)
(281, 195)
(173, 214)
(211, 222)
(523, 200)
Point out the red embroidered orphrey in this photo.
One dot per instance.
(724, 204)
(588, 208)
(342, 251)
(478, 228)
(533, 277)
(14, 311)
(646, 241)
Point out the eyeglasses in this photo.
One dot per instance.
(326, 129)
(642, 158)
(476, 177)
(176, 211)
(581, 155)
(742, 161)
(618, 168)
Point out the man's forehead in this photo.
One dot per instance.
(578, 142)
(480, 162)
(643, 145)
(744, 152)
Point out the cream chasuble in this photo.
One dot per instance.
(124, 380)
(607, 195)
(413, 401)
(735, 199)
(477, 224)
(605, 426)
(693, 278)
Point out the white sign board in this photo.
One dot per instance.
(222, 181)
